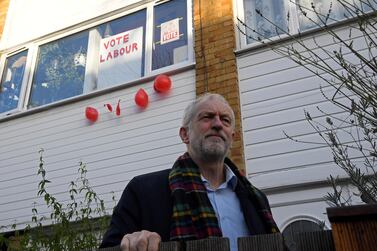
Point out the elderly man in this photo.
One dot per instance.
(203, 195)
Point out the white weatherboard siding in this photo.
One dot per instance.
(275, 92)
(115, 149)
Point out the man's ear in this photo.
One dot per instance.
(183, 133)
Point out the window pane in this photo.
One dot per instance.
(60, 70)
(315, 13)
(170, 34)
(122, 50)
(11, 81)
(273, 17)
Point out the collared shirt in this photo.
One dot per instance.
(227, 208)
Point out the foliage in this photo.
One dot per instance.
(75, 225)
(351, 71)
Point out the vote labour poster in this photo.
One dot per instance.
(120, 58)
(170, 31)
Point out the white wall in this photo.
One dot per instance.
(115, 149)
(27, 20)
(275, 93)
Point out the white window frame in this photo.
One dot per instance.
(293, 25)
(240, 14)
(91, 69)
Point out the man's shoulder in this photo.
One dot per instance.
(151, 179)
(154, 175)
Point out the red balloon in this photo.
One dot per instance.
(162, 83)
(91, 114)
(141, 98)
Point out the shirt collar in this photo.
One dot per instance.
(230, 180)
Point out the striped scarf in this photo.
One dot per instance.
(193, 216)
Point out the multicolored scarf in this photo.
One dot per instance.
(193, 216)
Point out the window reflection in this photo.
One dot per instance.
(315, 13)
(271, 21)
(10, 85)
(174, 49)
(60, 70)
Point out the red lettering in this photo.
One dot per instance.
(128, 48)
(112, 42)
(101, 60)
(118, 39)
(168, 36)
(134, 46)
(109, 56)
(125, 38)
(106, 45)
(121, 51)
(116, 53)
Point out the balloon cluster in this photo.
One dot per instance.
(162, 84)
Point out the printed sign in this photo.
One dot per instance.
(120, 58)
(170, 31)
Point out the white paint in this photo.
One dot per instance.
(41, 17)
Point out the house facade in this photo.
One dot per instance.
(70, 56)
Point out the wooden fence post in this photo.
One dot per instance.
(267, 242)
(164, 246)
(354, 228)
(211, 244)
(314, 241)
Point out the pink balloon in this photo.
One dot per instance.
(91, 114)
(141, 98)
(162, 83)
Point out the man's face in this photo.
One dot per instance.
(211, 133)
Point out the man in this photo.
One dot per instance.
(203, 195)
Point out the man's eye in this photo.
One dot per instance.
(226, 120)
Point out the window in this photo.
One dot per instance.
(258, 26)
(154, 36)
(170, 34)
(263, 19)
(60, 70)
(122, 50)
(10, 85)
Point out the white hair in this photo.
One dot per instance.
(191, 109)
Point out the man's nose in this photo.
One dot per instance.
(216, 122)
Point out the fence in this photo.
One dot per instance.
(310, 241)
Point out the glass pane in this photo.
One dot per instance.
(315, 13)
(60, 70)
(11, 81)
(170, 34)
(122, 50)
(265, 19)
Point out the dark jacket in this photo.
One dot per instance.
(146, 204)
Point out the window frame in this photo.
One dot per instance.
(293, 25)
(25, 79)
(92, 67)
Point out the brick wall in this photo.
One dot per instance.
(216, 69)
(3, 11)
